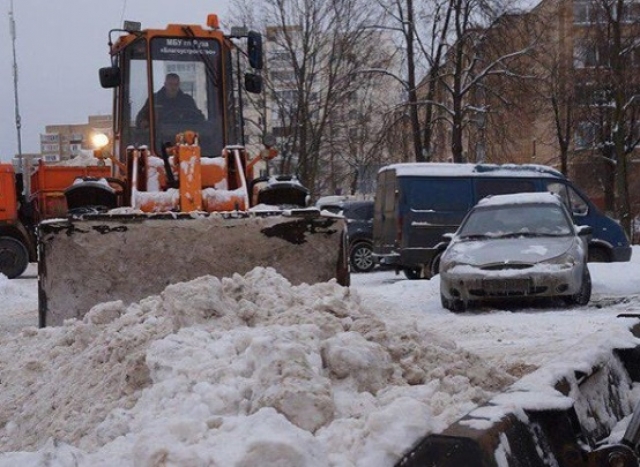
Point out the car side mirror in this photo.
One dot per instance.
(110, 77)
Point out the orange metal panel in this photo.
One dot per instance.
(190, 178)
(8, 201)
(48, 183)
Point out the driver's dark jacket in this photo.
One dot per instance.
(171, 109)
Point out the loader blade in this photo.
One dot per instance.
(98, 258)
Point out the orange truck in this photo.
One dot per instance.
(20, 213)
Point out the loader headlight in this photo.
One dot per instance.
(99, 140)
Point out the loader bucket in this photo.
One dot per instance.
(102, 257)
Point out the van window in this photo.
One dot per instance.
(438, 195)
(574, 202)
(502, 186)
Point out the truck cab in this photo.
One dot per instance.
(17, 243)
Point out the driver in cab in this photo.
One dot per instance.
(171, 105)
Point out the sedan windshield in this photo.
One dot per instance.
(516, 220)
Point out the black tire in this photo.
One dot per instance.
(361, 257)
(584, 294)
(14, 257)
(412, 273)
(435, 265)
(599, 255)
(456, 306)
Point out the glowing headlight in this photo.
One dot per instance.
(99, 140)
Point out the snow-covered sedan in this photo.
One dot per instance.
(516, 246)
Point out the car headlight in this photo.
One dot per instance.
(566, 260)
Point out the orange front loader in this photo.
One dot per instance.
(186, 197)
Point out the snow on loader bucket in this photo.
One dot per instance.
(103, 257)
(575, 422)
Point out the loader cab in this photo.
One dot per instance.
(146, 65)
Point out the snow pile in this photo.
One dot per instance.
(9, 288)
(242, 371)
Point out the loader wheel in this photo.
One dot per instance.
(14, 257)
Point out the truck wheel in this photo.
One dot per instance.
(14, 257)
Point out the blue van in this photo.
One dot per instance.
(416, 203)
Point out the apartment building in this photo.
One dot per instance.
(62, 142)
(340, 115)
(557, 106)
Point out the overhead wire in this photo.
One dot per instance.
(124, 9)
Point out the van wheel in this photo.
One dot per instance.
(14, 257)
(435, 265)
(599, 255)
(413, 273)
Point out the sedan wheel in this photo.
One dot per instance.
(584, 294)
(361, 258)
(457, 306)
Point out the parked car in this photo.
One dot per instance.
(416, 203)
(516, 247)
(359, 216)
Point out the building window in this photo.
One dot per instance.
(591, 96)
(283, 76)
(279, 59)
(582, 12)
(585, 135)
(587, 55)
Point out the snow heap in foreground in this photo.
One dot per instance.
(243, 371)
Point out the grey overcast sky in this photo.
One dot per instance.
(60, 46)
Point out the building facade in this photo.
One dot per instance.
(61, 142)
(567, 100)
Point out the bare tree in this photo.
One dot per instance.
(483, 62)
(608, 58)
(314, 48)
(460, 45)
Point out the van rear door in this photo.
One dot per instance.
(384, 213)
(429, 207)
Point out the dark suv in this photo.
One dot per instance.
(359, 215)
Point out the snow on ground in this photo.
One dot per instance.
(250, 370)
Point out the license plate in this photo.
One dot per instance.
(500, 286)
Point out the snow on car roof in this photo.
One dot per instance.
(520, 198)
(441, 169)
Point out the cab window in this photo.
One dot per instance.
(574, 202)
